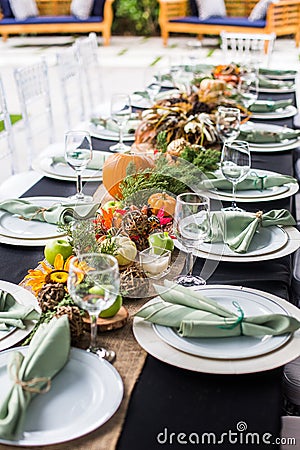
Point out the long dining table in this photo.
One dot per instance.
(169, 403)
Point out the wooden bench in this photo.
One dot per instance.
(283, 18)
(55, 17)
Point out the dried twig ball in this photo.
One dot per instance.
(75, 321)
(50, 295)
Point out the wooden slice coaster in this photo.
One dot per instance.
(111, 323)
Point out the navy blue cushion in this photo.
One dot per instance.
(216, 20)
(50, 19)
(98, 8)
(6, 9)
(194, 8)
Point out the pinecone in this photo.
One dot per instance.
(135, 223)
(75, 321)
(133, 282)
(50, 295)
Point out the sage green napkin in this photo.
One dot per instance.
(58, 213)
(269, 105)
(47, 354)
(109, 125)
(253, 181)
(95, 164)
(287, 72)
(264, 82)
(268, 137)
(237, 229)
(12, 314)
(195, 315)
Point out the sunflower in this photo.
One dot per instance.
(57, 274)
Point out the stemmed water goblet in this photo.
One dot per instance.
(228, 123)
(235, 165)
(78, 153)
(248, 87)
(191, 227)
(120, 113)
(93, 283)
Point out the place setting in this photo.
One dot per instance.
(206, 330)
(264, 137)
(272, 109)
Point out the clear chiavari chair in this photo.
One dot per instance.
(87, 52)
(247, 48)
(70, 77)
(12, 183)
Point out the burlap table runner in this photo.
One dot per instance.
(129, 363)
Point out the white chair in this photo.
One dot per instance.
(87, 53)
(12, 184)
(70, 76)
(247, 48)
(34, 96)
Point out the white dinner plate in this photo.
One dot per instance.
(287, 76)
(281, 113)
(5, 333)
(12, 226)
(100, 132)
(239, 347)
(24, 297)
(138, 101)
(83, 396)
(266, 193)
(266, 240)
(60, 171)
(149, 341)
(278, 90)
(285, 145)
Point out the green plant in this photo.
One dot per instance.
(136, 17)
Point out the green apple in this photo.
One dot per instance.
(161, 240)
(56, 246)
(113, 309)
(112, 204)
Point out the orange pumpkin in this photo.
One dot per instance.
(162, 200)
(115, 169)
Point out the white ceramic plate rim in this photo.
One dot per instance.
(25, 297)
(113, 391)
(149, 341)
(56, 234)
(273, 231)
(289, 111)
(269, 127)
(278, 90)
(232, 348)
(266, 193)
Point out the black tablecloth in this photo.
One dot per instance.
(170, 400)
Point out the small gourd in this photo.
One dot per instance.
(162, 200)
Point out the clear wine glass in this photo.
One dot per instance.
(228, 123)
(78, 153)
(152, 82)
(120, 113)
(191, 227)
(248, 87)
(235, 165)
(93, 284)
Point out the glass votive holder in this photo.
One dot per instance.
(155, 261)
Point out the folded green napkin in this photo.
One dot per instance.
(267, 137)
(287, 72)
(264, 82)
(194, 315)
(253, 181)
(269, 105)
(12, 314)
(47, 354)
(237, 229)
(58, 213)
(110, 125)
(95, 164)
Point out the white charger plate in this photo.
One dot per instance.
(59, 171)
(12, 226)
(102, 133)
(281, 113)
(149, 341)
(83, 396)
(24, 297)
(266, 240)
(278, 90)
(268, 127)
(238, 347)
(291, 246)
